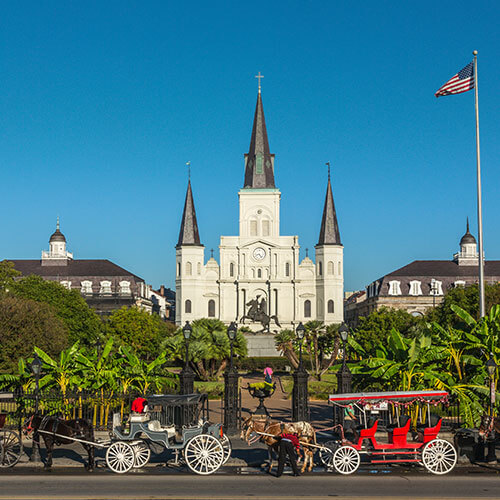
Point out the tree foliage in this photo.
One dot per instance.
(144, 332)
(373, 329)
(83, 324)
(209, 347)
(25, 324)
(7, 275)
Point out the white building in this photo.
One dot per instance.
(259, 269)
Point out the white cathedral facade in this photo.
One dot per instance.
(260, 280)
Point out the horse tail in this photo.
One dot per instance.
(276, 320)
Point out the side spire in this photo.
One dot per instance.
(259, 162)
(329, 233)
(189, 234)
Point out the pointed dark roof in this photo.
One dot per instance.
(329, 233)
(57, 236)
(467, 237)
(259, 162)
(189, 234)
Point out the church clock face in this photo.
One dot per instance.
(259, 253)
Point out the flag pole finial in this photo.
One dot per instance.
(474, 52)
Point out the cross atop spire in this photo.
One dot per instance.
(328, 165)
(188, 165)
(57, 223)
(259, 76)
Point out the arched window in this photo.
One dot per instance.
(253, 228)
(187, 306)
(330, 267)
(189, 268)
(178, 269)
(231, 269)
(259, 273)
(265, 228)
(287, 269)
(307, 309)
(320, 268)
(211, 308)
(330, 306)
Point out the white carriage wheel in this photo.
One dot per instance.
(142, 454)
(204, 454)
(326, 454)
(11, 448)
(346, 460)
(439, 456)
(227, 447)
(120, 457)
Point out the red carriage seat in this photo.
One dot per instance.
(431, 433)
(397, 436)
(368, 433)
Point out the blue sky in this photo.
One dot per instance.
(102, 103)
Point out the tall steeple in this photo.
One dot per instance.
(189, 234)
(259, 162)
(329, 233)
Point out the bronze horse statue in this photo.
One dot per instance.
(56, 431)
(257, 313)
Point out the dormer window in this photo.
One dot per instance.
(86, 288)
(436, 287)
(394, 287)
(459, 283)
(125, 288)
(415, 287)
(105, 288)
(66, 284)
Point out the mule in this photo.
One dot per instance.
(54, 428)
(304, 431)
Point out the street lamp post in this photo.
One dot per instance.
(491, 366)
(344, 376)
(36, 368)
(231, 392)
(186, 377)
(300, 394)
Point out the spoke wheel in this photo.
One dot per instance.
(439, 456)
(227, 447)
(326, 454)
(346, 460)
(120, 457)
(204, 454)
(142, 454)
(11, 448)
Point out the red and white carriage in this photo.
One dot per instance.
(437, 455)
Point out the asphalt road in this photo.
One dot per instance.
(71, 486)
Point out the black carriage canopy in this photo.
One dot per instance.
(175, 399)
(395, 397)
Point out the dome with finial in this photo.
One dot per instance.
(57, 235)
(468, 238)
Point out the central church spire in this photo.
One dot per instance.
(259, 162)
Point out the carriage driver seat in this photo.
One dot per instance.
(155, 426)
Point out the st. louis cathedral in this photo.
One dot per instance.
(260, 281)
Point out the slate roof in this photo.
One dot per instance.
(259, 170)
(329, 233)
(436, 268)
(189, 234)
(81, 267)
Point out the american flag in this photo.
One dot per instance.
(461, 82)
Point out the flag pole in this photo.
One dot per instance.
(482, 307)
